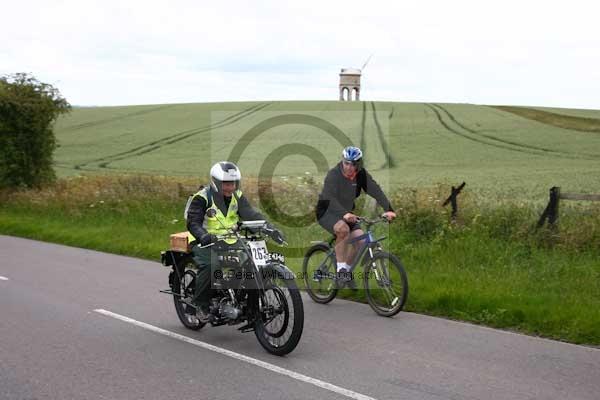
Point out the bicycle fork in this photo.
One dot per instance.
(383, 280)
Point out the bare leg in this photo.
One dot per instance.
(341, 230)
(352, 249)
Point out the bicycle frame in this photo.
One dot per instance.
(369, 243)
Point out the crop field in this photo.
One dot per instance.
(501, 153)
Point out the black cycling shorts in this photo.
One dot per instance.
(328, 221)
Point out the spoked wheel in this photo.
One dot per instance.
(319, 270)
(186, 286)
(281, 317)
(386, 284)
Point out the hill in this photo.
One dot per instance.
(506, 152)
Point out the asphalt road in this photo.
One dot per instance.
(56, 343)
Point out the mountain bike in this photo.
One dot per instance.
(383, 276)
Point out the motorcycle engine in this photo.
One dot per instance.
(229, 311)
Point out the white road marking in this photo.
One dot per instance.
(3, 278)
(271, 367)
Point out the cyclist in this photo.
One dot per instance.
(343, 184)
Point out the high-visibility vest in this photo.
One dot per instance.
(214, 221)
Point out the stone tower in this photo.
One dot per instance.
(349, 84)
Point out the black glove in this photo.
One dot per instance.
(207, 239)
(277, 236)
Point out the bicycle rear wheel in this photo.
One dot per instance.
(318, 270)
(386, 284)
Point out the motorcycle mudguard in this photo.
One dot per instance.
(170, 257)
(278, 270)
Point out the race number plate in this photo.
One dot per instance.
(259, 252)
(277, 257)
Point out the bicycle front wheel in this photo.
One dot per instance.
(386, 284)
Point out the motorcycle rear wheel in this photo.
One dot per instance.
(186, 286)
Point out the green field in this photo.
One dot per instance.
(498, 153)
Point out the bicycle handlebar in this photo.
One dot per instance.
(369, 222)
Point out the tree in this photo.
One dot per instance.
(28, 109)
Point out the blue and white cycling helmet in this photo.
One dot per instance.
(354, 155)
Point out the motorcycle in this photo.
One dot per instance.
(249, 285)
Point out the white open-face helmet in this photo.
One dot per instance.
(224, 171)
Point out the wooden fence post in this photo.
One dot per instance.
(452, 200)
(554, 202)
(551, 211)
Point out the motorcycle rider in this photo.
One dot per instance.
(343, 184)
(213, 211)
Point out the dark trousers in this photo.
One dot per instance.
(204, 258)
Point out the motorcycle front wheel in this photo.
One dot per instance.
(280, 320)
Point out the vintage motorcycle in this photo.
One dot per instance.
(250, 286)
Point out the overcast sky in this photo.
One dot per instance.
(108, 52)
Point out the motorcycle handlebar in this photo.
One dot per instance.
(234, 233)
